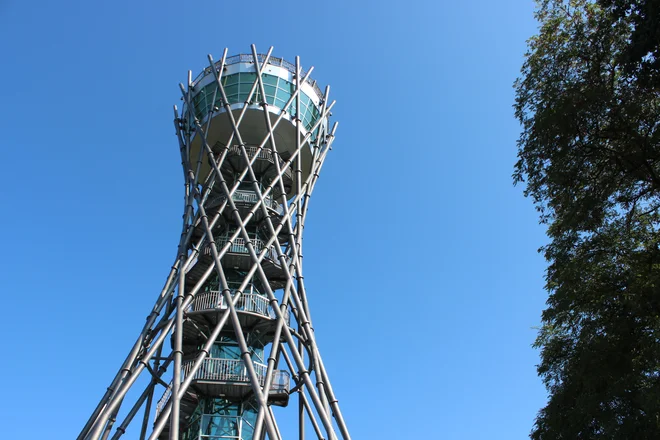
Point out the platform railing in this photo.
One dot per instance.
(248, 302)
(251, 150)
(228, 370)
(247, 196)
(163, 400)
(261, 153)
(238, 246)
(225, 370)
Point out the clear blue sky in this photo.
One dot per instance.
(420, 255)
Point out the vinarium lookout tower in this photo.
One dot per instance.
(230, 335)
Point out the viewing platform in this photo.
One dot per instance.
(245, 100)
(238, 255)
(245, 199)
(229, 378)
(263, 164)
(254, 312)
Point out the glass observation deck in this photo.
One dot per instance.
(237, 82)
(237, 87)
(297, 124)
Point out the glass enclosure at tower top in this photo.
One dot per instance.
(238, 78)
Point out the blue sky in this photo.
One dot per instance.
(420, 255)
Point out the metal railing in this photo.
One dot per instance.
(160, 406)
(251, 150)
(228, 370)
(248, 302)
(280, 382)
(225, 370)
(247, 196)
(238, 246)
(273, 61)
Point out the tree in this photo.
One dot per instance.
(642, 56)
(589, 157)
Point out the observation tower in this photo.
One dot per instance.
(230, 335)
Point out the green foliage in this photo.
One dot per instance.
(589, 156)
(644, 16)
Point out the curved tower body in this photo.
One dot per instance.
(230, 336)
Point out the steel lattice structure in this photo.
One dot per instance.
(253, 134)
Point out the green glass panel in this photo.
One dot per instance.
(283, 95)
(225, 351)
(291, 109)
(220, 426)
(200, 110)
(303, 110)
(227, 339)
(231, 79)
(257, 354)
(285, 85)
(192, 431)
(270, 80)
(230, 352)
(280, 103)
(209, 96)
(231, 90)
(247, 78)
(270, 99)
(270, 90)
(244, 89)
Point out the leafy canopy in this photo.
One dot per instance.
(589, 157)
